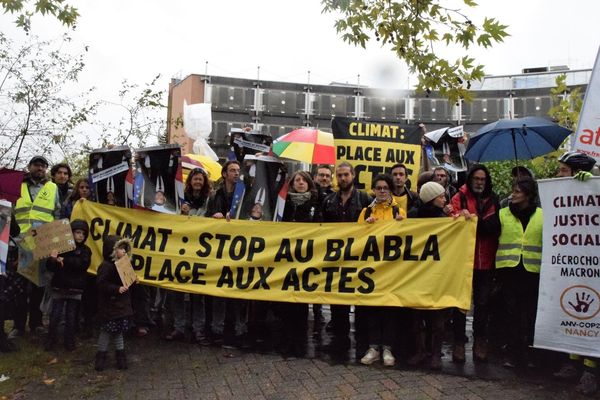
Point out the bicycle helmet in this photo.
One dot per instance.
(577, 161)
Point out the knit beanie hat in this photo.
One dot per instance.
(430, 191)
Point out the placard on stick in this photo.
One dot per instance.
(125, 270)
(56, 235)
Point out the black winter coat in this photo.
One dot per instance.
(111, 303)
(307, 212)
(428, 210)
(73, 274)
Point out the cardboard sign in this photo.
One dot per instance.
(56, 235)
(126, 272)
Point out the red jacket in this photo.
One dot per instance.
(488, 225)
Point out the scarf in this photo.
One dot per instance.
(299, 198)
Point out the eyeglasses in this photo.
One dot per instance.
(382, 188)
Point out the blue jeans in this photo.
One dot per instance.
(70, 310)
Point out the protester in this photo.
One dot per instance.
(345, 205)
(301, 205)
(578, 165)
(196, 193)
(401, 192)
(323, 178)
(478, 198)
(441, 176)
(12, 287)
(68, 283)
(80, 191)
(382, 321)
(39, 203)
(227, 314)
(61, 175)
(517, 172)
(428, 347)
(114, 303)
(518, 262)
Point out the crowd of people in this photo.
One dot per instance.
(508, 253)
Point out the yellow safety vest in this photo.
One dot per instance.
(515, 243)
(41, 209)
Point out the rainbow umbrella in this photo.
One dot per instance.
(308, 145)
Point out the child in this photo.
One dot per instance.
(114, 302)
(68, 282)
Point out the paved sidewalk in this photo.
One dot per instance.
(164, 370)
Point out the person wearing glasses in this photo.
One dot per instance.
(478, 198)
(382, 321)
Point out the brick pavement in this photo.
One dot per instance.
(164, 370)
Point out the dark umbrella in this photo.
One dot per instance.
(515, 139)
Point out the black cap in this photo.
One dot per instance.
(41, 159)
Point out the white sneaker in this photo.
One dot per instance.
(388, 358)
(370, 357)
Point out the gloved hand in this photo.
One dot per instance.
(583, 176)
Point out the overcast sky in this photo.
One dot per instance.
(137, 39)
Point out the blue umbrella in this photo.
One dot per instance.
(515, 139)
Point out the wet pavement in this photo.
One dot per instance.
(181, 370)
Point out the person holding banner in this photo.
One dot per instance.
(227, 314)
(345, 205)
(196, 194)
(478, 198)
(80, 191)
(301, 205)
(578, 165)
(382, 321)
(402, 194)
(431, 203)
(518, 262)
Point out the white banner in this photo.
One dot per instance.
(568, 314)
(587, 136)
(108, 172)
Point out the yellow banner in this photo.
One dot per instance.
(418, 263)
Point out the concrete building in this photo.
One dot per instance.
(279, 107)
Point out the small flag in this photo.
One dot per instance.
(129, 188)
(238, 196)
(280, 205)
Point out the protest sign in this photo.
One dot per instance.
(587, 135)
(419, 263)
(109, 168)
(55, 235)
(156, 174)
(568, 315)
(373, 148)
(125, 271)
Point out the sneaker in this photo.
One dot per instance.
(388, 358)
(588, 384)
(509, 363)
(458, 353)
(370, 357)
(568, 372)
